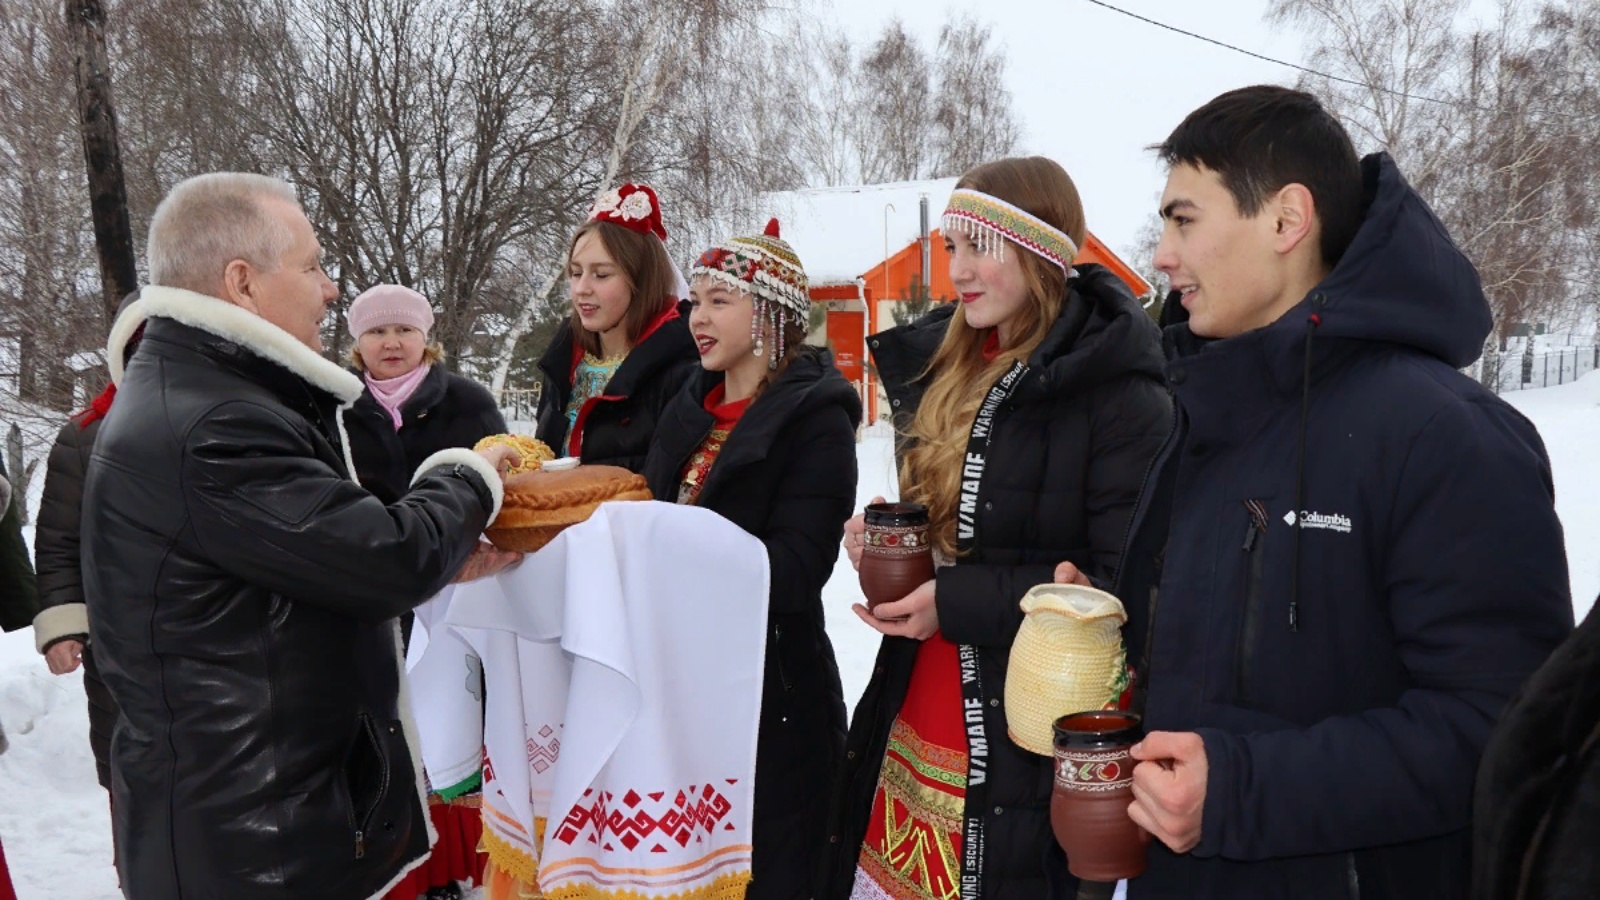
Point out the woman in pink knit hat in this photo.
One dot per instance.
(412, 408)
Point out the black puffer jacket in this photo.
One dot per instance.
(56, 547)
(447, 410)
(1536, 816)
(787, 475)
(617, 426)
(1064, 469)
(242, 592)
(1347, 561)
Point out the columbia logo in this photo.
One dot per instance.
(1324, 521)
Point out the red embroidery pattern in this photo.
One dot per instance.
(542, 756)
(689, 816)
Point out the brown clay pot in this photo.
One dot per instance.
(1093, 787)
(896, 558)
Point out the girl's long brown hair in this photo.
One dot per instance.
(643, 261)
(958, 376)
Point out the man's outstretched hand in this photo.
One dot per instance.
(486, 560)
(503, 457)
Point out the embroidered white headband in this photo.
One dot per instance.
(990, 222)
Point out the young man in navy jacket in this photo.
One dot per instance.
(1347, 557)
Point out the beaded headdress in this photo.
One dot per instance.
(990, 222)
(766, 267)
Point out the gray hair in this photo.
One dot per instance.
(208, 221)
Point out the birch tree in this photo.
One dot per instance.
(1482, 124)
(649, 64)
(431, 140)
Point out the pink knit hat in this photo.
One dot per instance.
(389, 304)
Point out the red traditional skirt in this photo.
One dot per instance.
(7, 892)
(912, 850)
(455, 857)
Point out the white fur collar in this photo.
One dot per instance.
(233, 323)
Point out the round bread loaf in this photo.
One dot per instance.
(539, 505)
(533, 452)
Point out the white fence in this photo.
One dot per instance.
(1518, 370)
(520, 405)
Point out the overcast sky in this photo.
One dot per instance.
(1094, 88)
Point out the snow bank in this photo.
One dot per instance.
(54, 820)
(1568, 418)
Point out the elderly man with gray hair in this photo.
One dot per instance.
(242, 588)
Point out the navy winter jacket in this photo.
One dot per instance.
(1343, 675)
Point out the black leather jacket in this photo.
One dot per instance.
(242, 593)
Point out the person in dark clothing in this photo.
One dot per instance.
(1536, 810)
(1347, 556)
(61, 629)
(19, 598)
(412, 406)
(625, 350)
(765, 437)
(242, 588)
(1028, 414)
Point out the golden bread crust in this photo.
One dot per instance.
(533, 451)
(538, 505)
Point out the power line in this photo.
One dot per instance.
(1309, 71)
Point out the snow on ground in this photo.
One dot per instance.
(1569, 421)
(53, 815)
(54, 821)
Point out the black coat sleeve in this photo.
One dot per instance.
(267, 510)
(809, 509)
(1129, 420)
(56, 538)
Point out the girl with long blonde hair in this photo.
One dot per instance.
(1027, 413)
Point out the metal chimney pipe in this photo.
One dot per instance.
(927, 251)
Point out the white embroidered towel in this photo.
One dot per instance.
(446, 691)
(633, 645)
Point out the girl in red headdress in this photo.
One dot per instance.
(625, 349)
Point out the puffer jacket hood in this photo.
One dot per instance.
(1403, 280)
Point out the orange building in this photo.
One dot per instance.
(862, 248)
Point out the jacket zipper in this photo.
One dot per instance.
(383, 787)
(777, 650)
(1255, 542)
